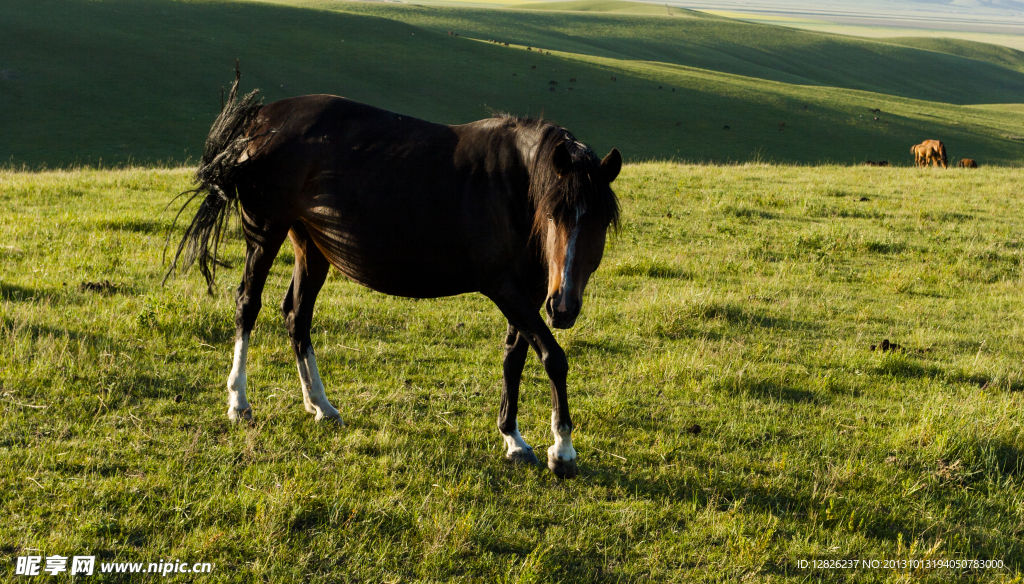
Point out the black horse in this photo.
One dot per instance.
(515, 209)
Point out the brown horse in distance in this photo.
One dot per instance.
(515, 209)
(918, 151)
(929, 151)
(967, 163)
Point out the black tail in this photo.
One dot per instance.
(217, 176)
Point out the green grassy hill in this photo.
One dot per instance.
(997, 55)
(85, 81)
(613, 6)
(694, 39)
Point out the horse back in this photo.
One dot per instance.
(401, 205)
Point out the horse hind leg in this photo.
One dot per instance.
(308, 277)
(259, 257)
(287, 306)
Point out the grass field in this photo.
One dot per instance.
(743, 299)
(86, 82)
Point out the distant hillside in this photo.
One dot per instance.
(620, 6)
(720, 44)
(82, 80)
(1015, 5)
(1001, 56)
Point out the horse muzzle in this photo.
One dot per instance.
(562, 311)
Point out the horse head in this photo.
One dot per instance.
(573, 216)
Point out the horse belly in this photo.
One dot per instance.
(396, 259)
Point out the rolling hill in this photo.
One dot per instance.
(107, 82)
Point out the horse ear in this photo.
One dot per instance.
(561, 159)
(611, 165)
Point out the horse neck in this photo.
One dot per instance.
(527, 142)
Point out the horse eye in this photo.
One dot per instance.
(550, 218)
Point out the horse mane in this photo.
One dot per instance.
(560, 197)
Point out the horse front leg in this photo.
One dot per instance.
(516, 348)
(561, 454)
(518, 311)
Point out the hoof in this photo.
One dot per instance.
(240, 414)
(563, 469)
(524, 456)
(329, 417)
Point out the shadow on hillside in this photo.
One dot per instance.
(168, 109)
(16, 293)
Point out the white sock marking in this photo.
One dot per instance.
(514, 442)
(237, 404)
(313, 394)
(562, 448)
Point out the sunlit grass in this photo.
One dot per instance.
(741, 299)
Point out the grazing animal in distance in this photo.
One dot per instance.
(918, 151)
(930, 151)
(967, 163)
(937, 153)
(516, 209)
(878, 163)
